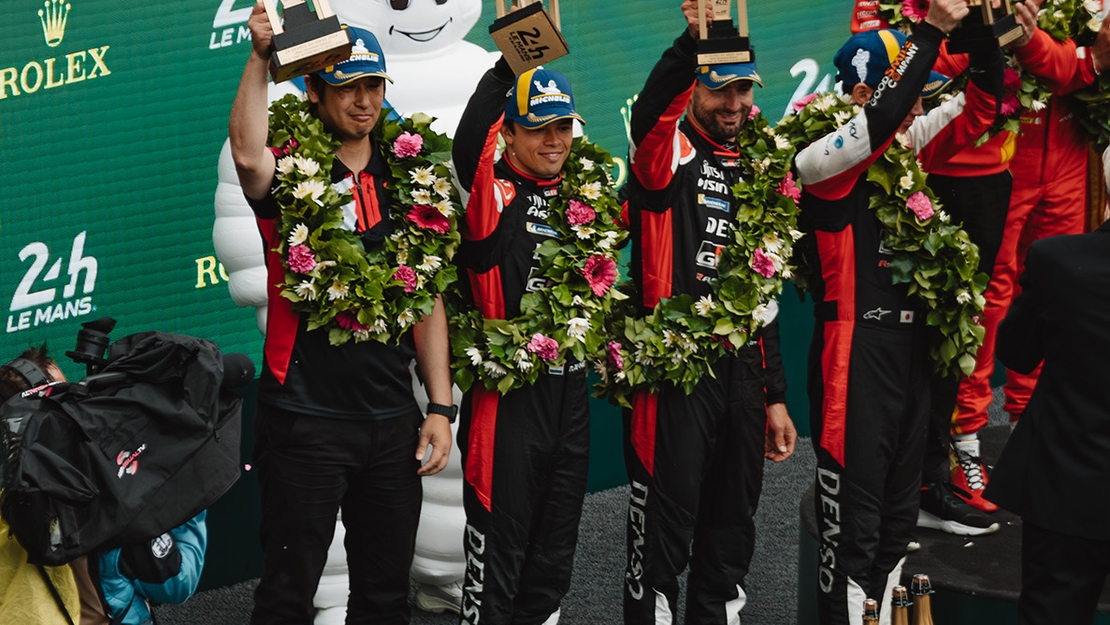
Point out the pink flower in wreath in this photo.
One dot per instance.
(915, 10)
(407, 276)
(802, 102)
(429, 218)
(601, 273)
(348, 321)
(301, 259)
(615, 355)
(407, 145)
(789, 188)
(763, 264)
(920, 205)
(545, 347)
(755, 111)
(1011, 84)
(579, 214)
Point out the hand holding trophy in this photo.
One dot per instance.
(305, 42)
(528, 37)
(985, 26)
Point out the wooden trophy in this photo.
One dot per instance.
(306, 42)
(984, 28)
(529, 36)
(721, 42)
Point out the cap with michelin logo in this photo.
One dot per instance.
(366, 60)
(540, 97)
(723, 74)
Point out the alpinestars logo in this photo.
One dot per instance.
(128, 461)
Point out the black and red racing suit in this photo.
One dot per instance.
(869, 370)
(695, 462)
(525, 453)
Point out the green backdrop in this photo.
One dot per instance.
(110, 132)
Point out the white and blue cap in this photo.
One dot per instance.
(367, 59)
(723, 74)
(540, 97)
(867, 55)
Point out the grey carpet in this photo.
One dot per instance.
(595, 593)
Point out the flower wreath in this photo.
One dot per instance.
(565, 319)
(682, 338)
(330, 275)
(932, 256)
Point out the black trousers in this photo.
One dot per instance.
(526, 459)
(868, 421)
(981, 204)
(309, 469)
(695, 465)
(1062, 577)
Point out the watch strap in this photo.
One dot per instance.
(450, 412)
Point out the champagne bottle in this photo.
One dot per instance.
(923, 608)
(900, 606)
(870, 612)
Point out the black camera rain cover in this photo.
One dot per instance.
(86, 468)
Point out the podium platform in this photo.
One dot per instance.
(977, 579)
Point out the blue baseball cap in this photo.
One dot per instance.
(366, 59)
(868, 55)
(720, 75)
(540, 97)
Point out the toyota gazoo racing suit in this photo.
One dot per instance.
(525, 453)
(695, 462)
(869, 369)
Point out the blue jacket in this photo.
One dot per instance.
(165, 570)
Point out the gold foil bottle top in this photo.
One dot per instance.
(870, 611)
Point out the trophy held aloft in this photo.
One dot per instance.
(305, 42)
(721, 42)
(985, 28)
(528, 37)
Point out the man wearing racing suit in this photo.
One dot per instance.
(694, 461)
(525, 452)
(1049, 198)
(869, 373)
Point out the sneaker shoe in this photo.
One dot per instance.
(942, 510)
(437, 599)
(969, 474)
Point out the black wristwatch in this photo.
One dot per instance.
(450, 412)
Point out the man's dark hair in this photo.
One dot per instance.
(13, 382)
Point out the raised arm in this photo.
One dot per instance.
(248, 127)
(475, 149)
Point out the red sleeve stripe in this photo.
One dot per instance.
(482, 211)
(655, 159)
(657, 256)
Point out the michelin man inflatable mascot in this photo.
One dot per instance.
(434, 71)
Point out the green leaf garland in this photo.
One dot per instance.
(330, 277)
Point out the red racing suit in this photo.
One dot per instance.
(869, 371)
(1048, 198)
(525, 454)
(695, 462)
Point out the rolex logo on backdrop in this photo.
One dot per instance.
(53, 18)
(42, 73)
